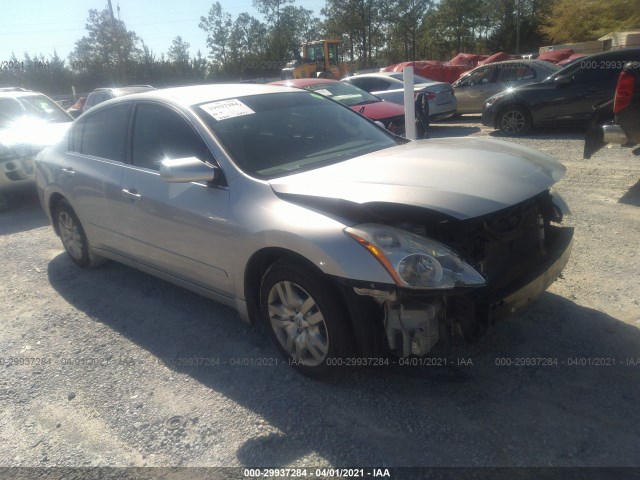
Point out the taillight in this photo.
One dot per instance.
(624, 92)
(430, 95)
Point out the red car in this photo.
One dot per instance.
(390, 114)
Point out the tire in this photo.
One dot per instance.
(514, 121)
(422, 116)
(305, 317)
(73, 237)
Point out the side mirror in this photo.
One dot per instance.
(562, 81)
(185, 170)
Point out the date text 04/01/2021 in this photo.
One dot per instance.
(316, 472)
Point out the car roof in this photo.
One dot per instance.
(197, 94)
(203, 93)
(625, 53)
(124, 90)
(393, 76)
(522, 61)
(376, 74)
(304, 82)
(7, 93)
(552, 67)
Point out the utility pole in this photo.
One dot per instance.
(517, 27)
(116, 37)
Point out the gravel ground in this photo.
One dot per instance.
(109, 381)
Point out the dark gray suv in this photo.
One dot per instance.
(565, 98)
(100, 95)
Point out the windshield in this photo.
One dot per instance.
(416, 78)
(566, 71)
(345, 93)
(33, 106)
(279, 134)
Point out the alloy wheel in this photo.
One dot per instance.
(298, 323)
(70, 235)
(513, 122)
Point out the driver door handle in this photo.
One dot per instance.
(132, 194)
(68, 171)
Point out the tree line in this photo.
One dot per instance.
(374, 33)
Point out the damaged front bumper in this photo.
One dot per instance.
(16, 172)
(415, 321)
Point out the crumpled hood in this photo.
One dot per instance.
(459, 177)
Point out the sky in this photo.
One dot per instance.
(42, 26)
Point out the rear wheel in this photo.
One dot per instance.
(73, 237)
(305, 317)
(514, 121)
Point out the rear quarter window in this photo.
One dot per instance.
(103, 133)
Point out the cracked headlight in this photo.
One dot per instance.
(414, 261)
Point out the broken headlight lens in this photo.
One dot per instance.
(414, 261)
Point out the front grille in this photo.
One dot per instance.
(503, 245)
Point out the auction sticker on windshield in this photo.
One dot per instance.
(226, 109)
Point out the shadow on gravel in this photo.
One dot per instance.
(547, 133)
(24, 213)
(441, 131)
(551, 386)
(632, 197)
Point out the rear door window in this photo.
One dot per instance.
(371, 84)
(514, 73)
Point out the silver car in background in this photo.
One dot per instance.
(389, 86)
(474, 87)
(29, 121)
(347, 242)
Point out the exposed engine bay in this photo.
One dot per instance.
(519, 251)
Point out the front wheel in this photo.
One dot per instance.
(514, 121)
(305, 317)
(73, 237)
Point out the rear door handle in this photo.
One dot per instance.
(132, 194)
(68, 171)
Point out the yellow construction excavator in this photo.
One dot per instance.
(318, 59)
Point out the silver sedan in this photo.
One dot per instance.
(474, 87)
(347, 242)
(29, 121)
(389, 86)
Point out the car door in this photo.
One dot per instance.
(474, 88)
(576, 92)
(177, 228)
(91, 173)
(589, 87)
